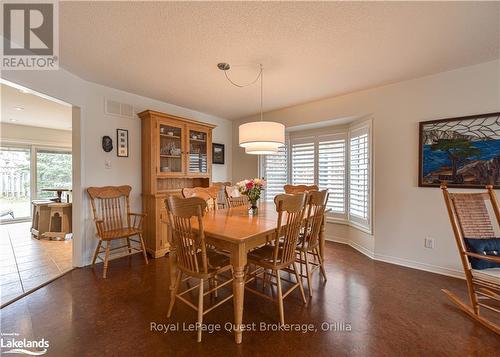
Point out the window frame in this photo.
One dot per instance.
(341, 135)
(298, 141)
(364, 225)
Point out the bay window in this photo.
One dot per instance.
(332, 158)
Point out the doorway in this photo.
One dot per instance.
(36, 182)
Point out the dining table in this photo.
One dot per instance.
(58, 192)
(237, 231)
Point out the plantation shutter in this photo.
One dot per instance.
(331, 171)
(359, 176)
(275, 169)
(302, 161)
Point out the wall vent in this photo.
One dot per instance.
(112, 107)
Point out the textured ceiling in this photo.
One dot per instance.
(33, 110)
(169, 51)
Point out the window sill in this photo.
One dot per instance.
(346, 222)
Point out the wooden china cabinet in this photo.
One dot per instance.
(176, 153)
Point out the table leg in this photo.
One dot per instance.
(238, 261)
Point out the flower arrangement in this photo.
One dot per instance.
(252, 189)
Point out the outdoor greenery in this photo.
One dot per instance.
(53, 171)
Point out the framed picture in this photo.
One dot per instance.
(218, 154)
(122, 142)
(462, 152)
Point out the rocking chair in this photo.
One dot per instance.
(475, 236)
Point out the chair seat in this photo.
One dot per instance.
(217, 263)
(306, 246)
(263, 256)
(120, 233)
(491, 275)
(216, 260)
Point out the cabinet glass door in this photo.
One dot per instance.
(198, 149)
(170, 149)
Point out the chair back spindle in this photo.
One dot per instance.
(209, 194)
(221, 194)
(110, 206)
(290, 207)
(190, 245)
(316, 206)
(234, 198)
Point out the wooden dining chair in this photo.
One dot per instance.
(281, 255)
(194, 258)
(309, 239)
(479, 251)
(209, 194)
(234, 198)
(221, 194)
(113, 220)
(292, 189)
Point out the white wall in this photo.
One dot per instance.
(25, 134)
(404, 213)
(95, 124)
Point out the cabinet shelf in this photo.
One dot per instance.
(164, 174)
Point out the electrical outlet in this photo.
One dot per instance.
(107, 164)
(429, 243)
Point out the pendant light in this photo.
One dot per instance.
(258, 137)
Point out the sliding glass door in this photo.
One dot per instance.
(25, 173)
(15, 183)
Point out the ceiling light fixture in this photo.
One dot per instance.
(258, 137)
(19, 108)
(13, 120)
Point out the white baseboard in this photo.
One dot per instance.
(335, 239)
(399, 261)
(356, 246)
(361, 249)
(420, 266)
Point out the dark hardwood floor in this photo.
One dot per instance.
(393, 311)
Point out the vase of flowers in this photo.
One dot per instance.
(252, 189)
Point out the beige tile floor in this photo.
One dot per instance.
(26, 262)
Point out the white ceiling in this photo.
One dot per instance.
(169, 50)
(36, 111)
